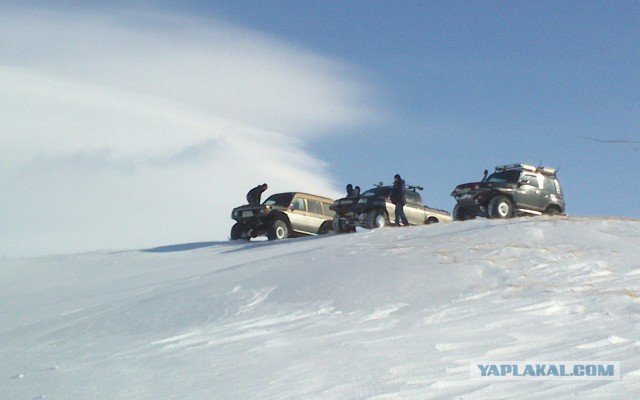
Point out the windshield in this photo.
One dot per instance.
(504, 176)
(378, 191)
(280, 199)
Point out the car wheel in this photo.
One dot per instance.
(278, 230)
(432, 220)
(325, 228)
(376, 219)
(340, 226)
(500, 207)
(459, 213)
(237, 232)
(553, 210)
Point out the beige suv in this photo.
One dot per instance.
(283, 215)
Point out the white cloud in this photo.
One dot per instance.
(123, 130)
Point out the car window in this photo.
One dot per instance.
(413, 198)
(504, 176)
(549, 184)
(314, 206)
(281, 199)
(327, 211)
(298, 204)
(532, 179)
(378, 191)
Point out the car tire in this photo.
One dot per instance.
(237, 232)
(376, 219)
(460, 214)
(325, 228)
(553, 210)
(278, 230)
(500, 207)
(431, 220)
(340, 227)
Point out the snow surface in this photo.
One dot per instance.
(395, 313)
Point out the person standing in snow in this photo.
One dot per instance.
(398, 195)
(253, 197)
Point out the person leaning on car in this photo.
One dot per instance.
(398, 195)
(253, 197)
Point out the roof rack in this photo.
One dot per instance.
(515, 166)
(542, 170)
(548, 171)
(409, 187)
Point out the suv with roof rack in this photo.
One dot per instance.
(283, 215)
(373, 209)
(512, 190)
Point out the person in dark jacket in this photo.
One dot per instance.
(253, 197)
(350, 191)
(398, 195)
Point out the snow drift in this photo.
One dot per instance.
(384, 314)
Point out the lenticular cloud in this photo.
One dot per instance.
(123, 129)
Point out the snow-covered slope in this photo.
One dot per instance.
(385, 314)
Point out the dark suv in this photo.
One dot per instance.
(514, 189)
(373, 209)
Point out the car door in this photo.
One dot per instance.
(315, 219)
(528, 195)
(414, 209)
(298, 214)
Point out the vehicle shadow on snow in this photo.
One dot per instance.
(242, 245)
(235, 245)
(181, 247)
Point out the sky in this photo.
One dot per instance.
(144, 123)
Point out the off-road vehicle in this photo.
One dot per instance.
(373, 209)
(512, 190)
(283, 215)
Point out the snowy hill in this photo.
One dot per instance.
(385, 314)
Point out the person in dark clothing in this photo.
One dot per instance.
(253, 197)
(356, 191)
(398, 194)
(350, 192)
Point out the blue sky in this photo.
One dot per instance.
(467, 85)
(135, 124)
